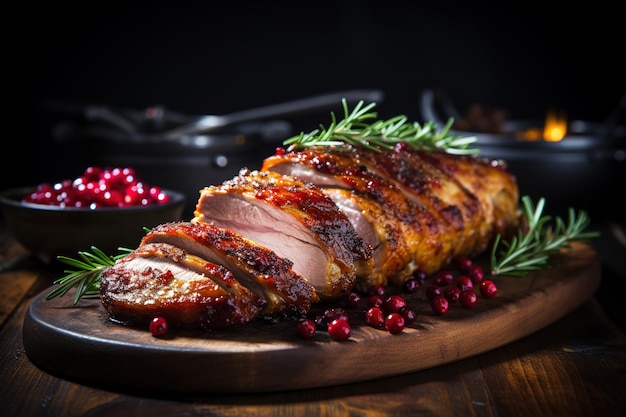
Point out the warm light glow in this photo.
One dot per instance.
(555, 128)
(530, 134)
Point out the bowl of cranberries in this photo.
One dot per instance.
(106, 208)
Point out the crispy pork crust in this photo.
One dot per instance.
(321, 226)
(161, 280)
(260, 269)
(429, 208)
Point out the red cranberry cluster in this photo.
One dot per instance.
(334, 320)
(99, 187)
(387, 312)
(446, 290)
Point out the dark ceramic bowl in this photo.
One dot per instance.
(50, 231)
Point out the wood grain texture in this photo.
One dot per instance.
(79, 342)
(15, 292)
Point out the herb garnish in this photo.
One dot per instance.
(362, 127)
(530, 250)
(86, 276)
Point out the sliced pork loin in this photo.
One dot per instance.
(262, 271)
(381, 213)
(294, 219)
(419, 210)
(380, 228)
(475, 197)
(162, 280)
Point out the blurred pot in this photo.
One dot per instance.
(584, 170)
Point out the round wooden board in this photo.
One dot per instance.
(80, 342)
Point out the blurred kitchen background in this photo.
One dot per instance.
(203, 58)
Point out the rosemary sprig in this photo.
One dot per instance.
(361, 127)
(531, 250)
(86, 275)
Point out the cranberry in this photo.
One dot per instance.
(306, 328)
(353, 300)
(375, 301)
(411, 284)
(464, 282)
(375, 317)
(394, 323)
(339, 329)
(111, 198)
(159, 326)
(439, 304)
(432, 291)
(393, 303)
(159, 196)
(408, 313)
(468, 298)
(488, 288)
(476, 273)
(464, 263)
(419, 275)
(443, 278)
(92, 173)
(128, 172)
(376, 290)
(452, 293)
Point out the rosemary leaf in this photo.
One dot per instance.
(85, 276)
(361, 127)
(532, 250)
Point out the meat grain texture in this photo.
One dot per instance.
(309, 226)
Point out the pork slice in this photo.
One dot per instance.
(303, 172)
(294, 219)
(161, 280)
(254, 266)
(388, 237)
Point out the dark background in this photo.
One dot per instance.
(214, 58)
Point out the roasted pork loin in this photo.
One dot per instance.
(294, 219)
(310, 226)
(419, 210)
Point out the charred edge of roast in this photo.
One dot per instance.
(452, 206)
(162, 280)
(302, 207)
(256, 267)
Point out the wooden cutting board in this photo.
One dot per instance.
(81, 343)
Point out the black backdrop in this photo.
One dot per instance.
(216, 57)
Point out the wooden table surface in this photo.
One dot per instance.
(574, 367)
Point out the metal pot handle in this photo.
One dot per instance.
(432, 102)
(210, 123)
